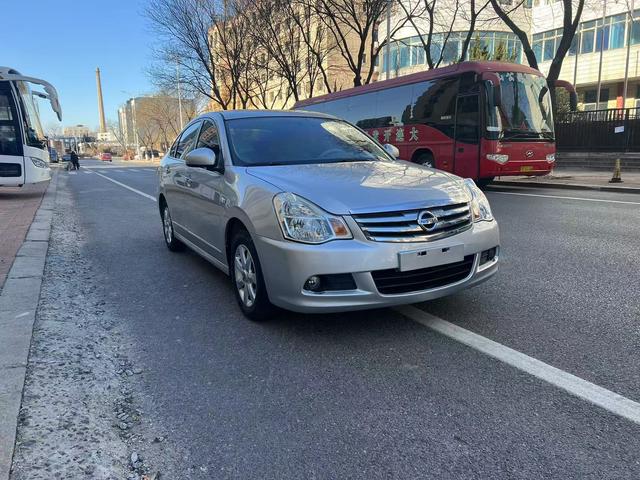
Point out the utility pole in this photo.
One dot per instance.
(626, 66)
(387, 48)
(604, 14)
(179, 94)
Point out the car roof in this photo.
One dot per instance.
(236, 114)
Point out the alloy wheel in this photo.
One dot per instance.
(168, 227)
(245, 275)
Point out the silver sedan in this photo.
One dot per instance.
(307, 212)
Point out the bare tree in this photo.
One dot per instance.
(570, 22)
(354, 27)
(118, 134)
(188, 29)
(475, 10)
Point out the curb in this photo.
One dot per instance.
(566, 186)
(18, 305)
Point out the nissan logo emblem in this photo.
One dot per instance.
(529, 153)
(427, 220)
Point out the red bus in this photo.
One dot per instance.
(474, 119)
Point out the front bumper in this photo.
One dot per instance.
(287, 265)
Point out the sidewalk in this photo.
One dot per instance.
(576, 179)
(17, 209)
(25, 222)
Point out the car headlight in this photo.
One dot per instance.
(39, 163)
(498, 157)
(302, 221)
(551, 157)
(480, 208)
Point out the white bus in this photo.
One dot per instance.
(24, 153)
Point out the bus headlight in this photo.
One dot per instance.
(498, 157)
(480, 208)
(302, 221)
(551, 157)
(39, 163)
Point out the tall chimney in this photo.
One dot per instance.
(103, 124)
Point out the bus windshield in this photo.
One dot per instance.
(525, 112)
(33, 129)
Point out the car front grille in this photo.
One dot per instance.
(10, 170)
(393, 281)
(402, 226)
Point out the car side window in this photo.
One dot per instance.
(174, 147)
(188, 140)
(209, 137)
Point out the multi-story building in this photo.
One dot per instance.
(491, 37)
(78, 131)
(603, 48)
(153, 121)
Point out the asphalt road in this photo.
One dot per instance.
(374, 394)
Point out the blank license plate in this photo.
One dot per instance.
(430, 257)
(527, 168)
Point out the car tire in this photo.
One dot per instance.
(485, 182)
(426, 160)
(170, 239)
(247, 279)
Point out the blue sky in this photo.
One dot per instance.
(63, 41)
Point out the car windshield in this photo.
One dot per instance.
(525, 110)
(259, 141)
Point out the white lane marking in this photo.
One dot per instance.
(23, 314)
(72, 172)
(87, 171)
(566, 198)
(127, 187)
(583, 389)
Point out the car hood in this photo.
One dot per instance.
(358, 187)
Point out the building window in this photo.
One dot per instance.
(587, 37)
(590, 99)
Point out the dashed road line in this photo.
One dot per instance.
(145, 195)
(592, 393)
(601, 200)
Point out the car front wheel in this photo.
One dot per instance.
(248, 282)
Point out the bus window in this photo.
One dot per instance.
(32, 127)
(393, 106)
(360, 107)
(435, 105)
(9, 139)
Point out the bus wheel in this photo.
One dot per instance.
(484, 182)
(425, 159)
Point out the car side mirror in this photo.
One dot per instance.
(201, 157)
(391, 150)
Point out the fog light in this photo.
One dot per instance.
(313, 283)
(488, 255)
(551, 157)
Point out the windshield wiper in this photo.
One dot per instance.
(525, 134)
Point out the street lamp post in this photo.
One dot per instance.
(387, 48)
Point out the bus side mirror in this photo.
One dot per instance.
(493, 81)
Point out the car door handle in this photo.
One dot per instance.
(460, 149)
